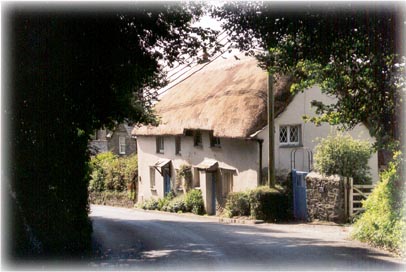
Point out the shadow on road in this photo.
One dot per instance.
(172, 245)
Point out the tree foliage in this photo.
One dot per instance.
(73, 70)
(351, 51)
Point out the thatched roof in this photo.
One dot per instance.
(228, 97)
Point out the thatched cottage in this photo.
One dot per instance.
(215, 121)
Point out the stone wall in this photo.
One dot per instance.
(325, 197)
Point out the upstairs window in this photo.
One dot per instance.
(197, 138)
(214, 141)
(160, 144)
(290, 135)
(121, 145)
(178, 146)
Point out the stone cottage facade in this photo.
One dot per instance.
(119, 141)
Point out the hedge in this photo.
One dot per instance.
(262, 203)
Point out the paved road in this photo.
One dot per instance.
(138, 240)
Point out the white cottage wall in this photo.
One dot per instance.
(301, 105)
(233, 153)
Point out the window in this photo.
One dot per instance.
(289, 135)
(160, 144)
(152, 176)
(121, 145)
(227, 183)
(214, 141)
(177, 145)
(197, 138)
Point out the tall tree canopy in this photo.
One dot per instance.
(71, 71)
(352, 51)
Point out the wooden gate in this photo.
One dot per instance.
(354, 195)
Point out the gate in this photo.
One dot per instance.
(354, 196)
(299, 195)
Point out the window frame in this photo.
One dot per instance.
(121, 145)
(288, 142)
(214, 141)
(160, 144)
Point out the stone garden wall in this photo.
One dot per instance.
(325, 197)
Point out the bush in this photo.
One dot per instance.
(268, 204)
(114, 174)
(150, 204)
(177, 204)
(341, 154)
(194, 202)
(262, 203)
(237, 204)
(383, 223)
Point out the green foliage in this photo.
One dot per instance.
(383, 223)
(113, 173)
(191, 202)
(268, 204)
(194, 202)
(185, 172)
(150, 204)
(343, 155)
(238, 204)
(71, 72)
(262, 203)
(177, 204)
(359, 62)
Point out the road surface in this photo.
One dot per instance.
(141, 240)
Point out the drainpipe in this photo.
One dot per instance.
(260, 141)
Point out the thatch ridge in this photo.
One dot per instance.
(228, 97)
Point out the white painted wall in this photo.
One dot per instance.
(239, 154)
(301, 105)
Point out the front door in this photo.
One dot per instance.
(167, 181)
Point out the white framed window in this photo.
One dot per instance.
(227, 183)
(160, 144)
(121, 145)
(152, 177)
(290, 135)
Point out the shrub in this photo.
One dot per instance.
(343, 155)
(383, 223)
(150, 204)
(177, 204)
(238, 204)
(261, 203)
(268, 204)
(111, 173)
(194, 201)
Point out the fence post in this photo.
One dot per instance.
(345, 181)
(351, 197)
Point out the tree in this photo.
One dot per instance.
(72, 71)
(351, 51)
